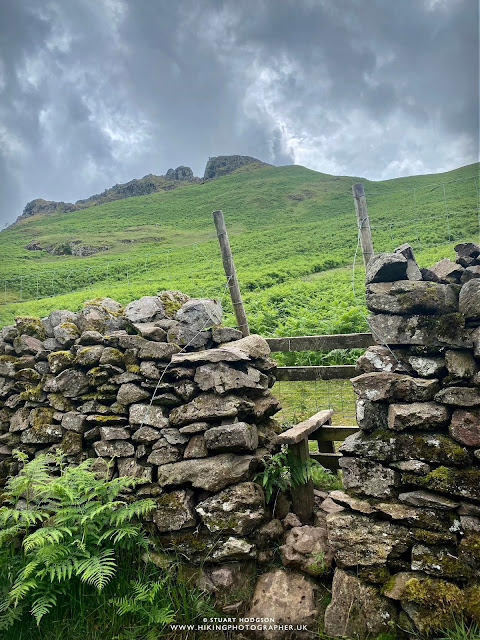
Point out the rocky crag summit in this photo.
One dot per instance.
(216, 167)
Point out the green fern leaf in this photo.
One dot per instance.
(42, 605)
(126, 530)
(44, 536)
(11, 615)
(135, 509)
(98, 569)
(20, 589)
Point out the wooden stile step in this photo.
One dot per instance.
(303, 429)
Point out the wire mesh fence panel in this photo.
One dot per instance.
(300, 400)
(426, 216)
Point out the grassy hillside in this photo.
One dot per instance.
(292, 231)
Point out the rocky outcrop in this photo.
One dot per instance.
(180, 173)
(223, 165)
(137, 187)
(39, 205)
(215, 168)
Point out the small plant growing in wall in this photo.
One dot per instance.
(58, 530)
(283, 471)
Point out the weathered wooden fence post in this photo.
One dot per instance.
(363, 222)
(230, 272)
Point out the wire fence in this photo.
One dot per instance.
(300, 400)
(198, 264)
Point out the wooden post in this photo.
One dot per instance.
(302, 495)
(230, 272)
(325, 446)
(363, 222)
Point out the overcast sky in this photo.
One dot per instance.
(95, 92)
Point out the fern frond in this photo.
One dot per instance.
(124, 605)
(141, 602)
(63, 570)
(11, 532)
(162, 616)
(20, 589)
(126, 530)
(117, 485)
(12, 614)
(96, 509)
(97, 569)
(135, 509)
(44, 536)
(52, 554)
(42, 605)
(24, 518)
(28, 570)
(145, 592)
(70, 515)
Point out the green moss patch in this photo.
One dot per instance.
(457, 482)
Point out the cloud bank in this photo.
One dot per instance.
(97, 92)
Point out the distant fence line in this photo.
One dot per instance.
(56, 281)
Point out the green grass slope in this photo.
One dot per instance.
(292, 230)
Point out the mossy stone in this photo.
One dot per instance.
(30, 326)
(172, 301)
(60, 403)
(60, 360)
(97, 376)
(432, 537)
(469, 549)
(440, 595)
(72, 443)
(457, 482)
(472, 602)
(90, 355)
(40, 417)
(193, 545)
(112, 356)
(8, 365)
(440, 562)
(71, 326)
(28, 375)
(133, 368)
(384, 446)
(376, 575)
(33, 394)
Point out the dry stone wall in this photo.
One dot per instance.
(184, 404)
(168, 393)
(407, 542)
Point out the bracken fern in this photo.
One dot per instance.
(55, 529)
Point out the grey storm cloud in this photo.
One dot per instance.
(95, 92)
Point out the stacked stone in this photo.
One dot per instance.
(160, 387)
(407, 544)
